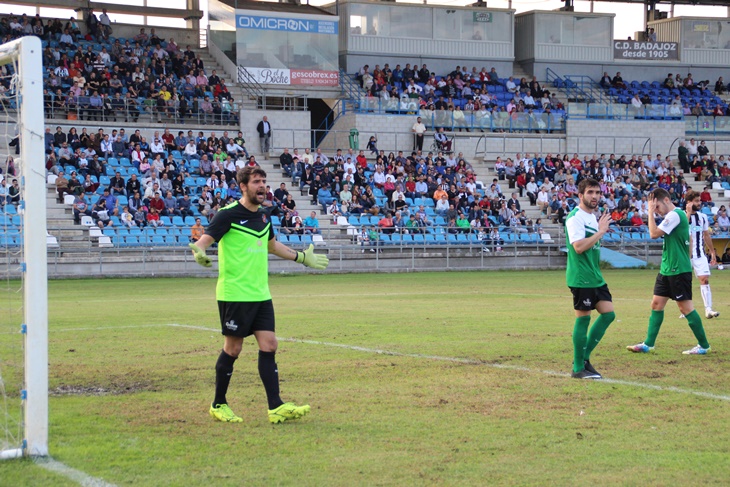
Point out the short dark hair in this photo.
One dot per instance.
(243, 176)
(587, 183)
(660, 194)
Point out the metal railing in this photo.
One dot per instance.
(707, 126)
(351, 89)
(132, 112)
(621, 111)
(588, 86)
(250, 86)
(571, 89)
(494, 121)
(332, 140)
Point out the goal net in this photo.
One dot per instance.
(23, 291)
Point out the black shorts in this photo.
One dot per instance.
(586, 298)
(241, 319)
(677, 288)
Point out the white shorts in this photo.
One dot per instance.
(701, 266)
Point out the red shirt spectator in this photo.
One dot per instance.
(362, 161)
(153, 216)
(157, 203)
(705, 196)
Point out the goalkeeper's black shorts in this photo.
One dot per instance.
(241, 319)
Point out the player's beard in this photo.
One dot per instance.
(590, 204)
(255, 197)
(695, 208)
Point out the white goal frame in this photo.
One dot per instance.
(26, 55)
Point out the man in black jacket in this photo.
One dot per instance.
(264, 130)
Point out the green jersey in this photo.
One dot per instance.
(243, 253)
(584, 269)
(675, 250)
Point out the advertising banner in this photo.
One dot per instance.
(286, 24)
(314, 77)
(648, 51)
(270, 76)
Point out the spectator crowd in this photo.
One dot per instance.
(94, 76)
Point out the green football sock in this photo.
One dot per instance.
(655, 323)
(580, 330)
(597, 331)
(695, 323)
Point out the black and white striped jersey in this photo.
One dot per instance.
(698, 225)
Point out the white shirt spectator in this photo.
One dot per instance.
(635, 102)
(106, 146)
(379, 177)
(190, 149)
(232, 147)
(510, 85)
(692, 148)
(157, 147)
(66, 39)
(349, 165)
(414, 88)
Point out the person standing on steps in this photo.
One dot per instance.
(264, 130)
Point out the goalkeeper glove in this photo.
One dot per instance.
(200, 256)
(310, 259)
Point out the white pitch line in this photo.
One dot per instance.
(468, 361)
(380, 295)
(81, 478)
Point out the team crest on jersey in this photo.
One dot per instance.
(264, 219)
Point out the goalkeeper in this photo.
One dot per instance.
(245, 237)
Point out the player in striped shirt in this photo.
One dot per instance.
(700, 239)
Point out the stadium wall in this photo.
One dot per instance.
(289, 128)
(624, 136)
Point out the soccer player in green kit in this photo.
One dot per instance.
(674, 280)
(245, 237)
(584, 278)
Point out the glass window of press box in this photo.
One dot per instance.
(290, 50)
(470, 25)
(706, 34)
(428, 23)
(221, 21)
(386, 21)
(573, 30)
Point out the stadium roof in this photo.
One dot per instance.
(706, 3)
(276, 7)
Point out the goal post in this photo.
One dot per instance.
(24, 61)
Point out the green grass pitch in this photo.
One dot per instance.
(467, 395)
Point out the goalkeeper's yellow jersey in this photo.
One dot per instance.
(243, 247)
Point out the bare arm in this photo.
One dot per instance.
(280, 250)
(708, 243)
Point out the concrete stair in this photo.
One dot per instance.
(59, 219)
(243, 101)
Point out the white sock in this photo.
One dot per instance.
(706, 295)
